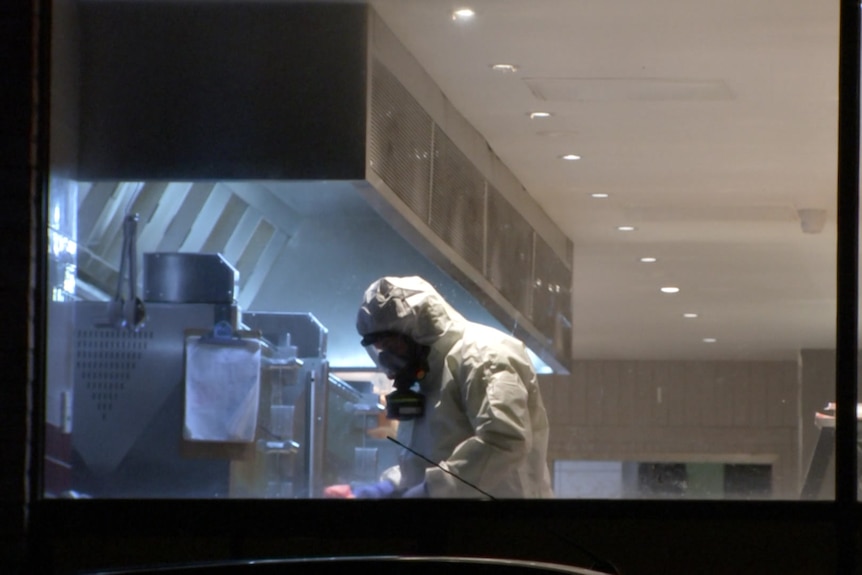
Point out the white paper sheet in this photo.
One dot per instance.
(222, 390)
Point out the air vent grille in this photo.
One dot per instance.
(105, 360)
(457, 201)
(510, 252)
(400, 136)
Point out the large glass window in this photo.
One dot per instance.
(651, 213)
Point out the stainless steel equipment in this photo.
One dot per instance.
(172, 277)
(130, 388)
(285, 462)
(128, 405)
(131, 434)
(339, 418)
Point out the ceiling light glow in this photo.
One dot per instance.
(626, 228)
(571, 157)
(534, 115)
(689, 315)
(505, 68)
(649, 260)
(599, 195)
(463, 14)
(709, 340)
(670, 289)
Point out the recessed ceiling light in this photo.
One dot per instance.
(670, 289)
(709, 340)
(689, 315)
(463, 14)
(505, 68)
(599, 195)
(571, 157)
(534, 115)
(626, 228)
(649, 260)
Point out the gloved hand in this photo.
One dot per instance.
(416, 492)
(341, 491)
(379, 490)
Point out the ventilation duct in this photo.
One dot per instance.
(487, 239)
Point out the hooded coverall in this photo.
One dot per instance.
(484, 418)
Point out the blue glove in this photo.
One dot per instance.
(416, 492)
(379, 490)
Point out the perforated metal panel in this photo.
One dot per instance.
(399, 141)
(441, 184)
(552, 295)
(510, 252)
(458, 201)
(105, 360)
(123, 379)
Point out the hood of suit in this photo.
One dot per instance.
(409, 306)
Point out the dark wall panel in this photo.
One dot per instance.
(21, 139)
(222, 90)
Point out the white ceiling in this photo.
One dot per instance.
(709, 124)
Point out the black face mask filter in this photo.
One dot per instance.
(405, 403)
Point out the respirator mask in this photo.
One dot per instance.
(405, 362)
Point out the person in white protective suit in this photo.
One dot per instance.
(471, 419)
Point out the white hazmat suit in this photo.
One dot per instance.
(484, 418)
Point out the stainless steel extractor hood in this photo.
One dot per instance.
(312, 173)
